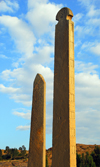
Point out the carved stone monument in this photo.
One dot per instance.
(64, 138)
(37, 150)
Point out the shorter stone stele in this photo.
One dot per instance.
(37, 151)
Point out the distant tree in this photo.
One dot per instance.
(47, 161)
(4, 151)
(23, 150)
(96, 156)
(93, 165)
(6, 157)
(78, 156)
(91, 162)
(97, 150)
(93, 155)
(14, 152)
(20, 148)
(7, 148)
(87, 159)
(0, 154)
(23, 147)
(82, 161)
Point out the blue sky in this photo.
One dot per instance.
(27, 29)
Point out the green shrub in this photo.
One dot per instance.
(47, 161)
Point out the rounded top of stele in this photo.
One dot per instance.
(64, 13)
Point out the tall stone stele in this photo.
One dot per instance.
(37, 150)
(64, 138)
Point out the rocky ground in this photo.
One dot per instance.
(80, 148)
(12, 163)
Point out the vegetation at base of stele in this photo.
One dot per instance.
(87, 160)
(47, 161)
(13, 153)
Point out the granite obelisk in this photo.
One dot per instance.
(37, 150)
(64, 135)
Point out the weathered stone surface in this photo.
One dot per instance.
(64, 135)
(37, 150)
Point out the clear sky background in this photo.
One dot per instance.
(27, 29)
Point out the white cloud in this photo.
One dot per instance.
(87, 87)
(49, 117)
(93, 12)
(8, 90)
(20, 33)
(27, 127)
(77, 43)
(85, 68)
(5, 75)
(33, 3)
(23, 78)
(26, 114)
(77, 17)
(43, 54)
(86, 3)
(8, 6)
(78, 29)
(23, 115)
(43, 14)
(87, 100)
(22, 98)
(90, 22)
(96, 49)
(37, 57)
(82, 31)
(88, 126)
(4, 7)
(87, 45)
(35, 44)
(93, 22)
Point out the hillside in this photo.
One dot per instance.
(80, 148)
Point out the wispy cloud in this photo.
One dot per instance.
(27, 127)
(21, 98)
(93, 12)
(90, 22)
(21, 34)
(88, 126)
(8, 90)
(23, 115)
(86, 3)
(82, 67)
(96, 49)
(77, 17)
(8, 6)
(3, 56)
